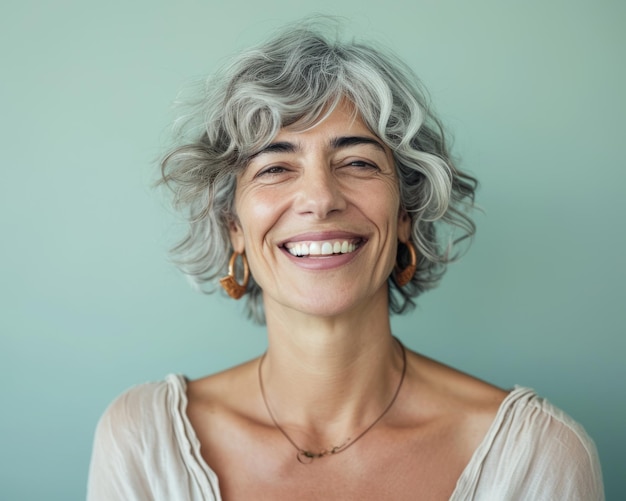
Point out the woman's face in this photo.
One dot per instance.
(318, 215)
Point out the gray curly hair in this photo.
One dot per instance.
(298, 77)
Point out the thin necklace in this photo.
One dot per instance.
(304, 456)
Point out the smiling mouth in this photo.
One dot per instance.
(323, 248)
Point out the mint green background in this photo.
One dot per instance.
(534, 92)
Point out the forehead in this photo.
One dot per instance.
(341, 120)
(337, 132)
(340, 127)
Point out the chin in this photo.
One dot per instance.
(331, 306)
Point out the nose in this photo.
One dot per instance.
(320, 192)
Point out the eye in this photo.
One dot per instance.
(362, 163)
(271, 171)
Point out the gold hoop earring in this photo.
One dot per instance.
(404, 276)
(229, 282)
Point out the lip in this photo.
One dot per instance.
(319, 263)
(323, 262)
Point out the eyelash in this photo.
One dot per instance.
(278, 169)
(363, 164)
(274, 169)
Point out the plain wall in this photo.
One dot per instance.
(533, 92)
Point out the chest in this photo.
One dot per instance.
(378, 468)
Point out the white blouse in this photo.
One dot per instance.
(146, 449)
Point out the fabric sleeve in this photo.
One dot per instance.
(118, 469)
(145, 449)
(540, 453)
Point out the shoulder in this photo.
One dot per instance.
(452, 395)
(230, 390)
(534, 450)
(152, 401)
(521, 445)
(525, 416)
(138, 422)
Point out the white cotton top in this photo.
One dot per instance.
(146, 449)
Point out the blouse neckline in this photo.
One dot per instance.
(207, 478)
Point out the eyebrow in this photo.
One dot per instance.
(336, 143)
(347, 141)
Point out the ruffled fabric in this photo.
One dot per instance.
(145, 448)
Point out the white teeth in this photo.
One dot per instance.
(321, 248)
(300, 250)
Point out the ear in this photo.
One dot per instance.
(236, 235)
(404, 226)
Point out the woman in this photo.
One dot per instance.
(321, 180)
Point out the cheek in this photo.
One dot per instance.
(386, 204)
(257, 215)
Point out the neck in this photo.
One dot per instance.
(349, 366)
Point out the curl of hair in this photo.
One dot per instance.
(295, 79)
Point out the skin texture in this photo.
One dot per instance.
(332, 364)
(319, 191)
